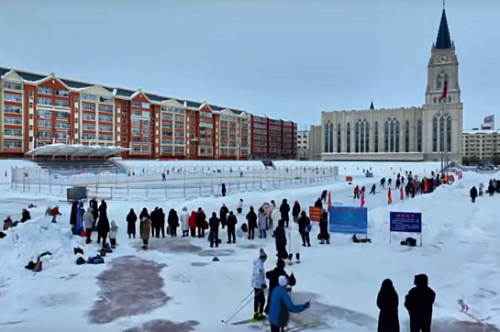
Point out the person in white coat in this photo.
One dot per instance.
(275, 217)
(294, 241)
(88, 223)
(184, 217)
(113, 232)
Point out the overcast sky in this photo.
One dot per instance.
(286, 59)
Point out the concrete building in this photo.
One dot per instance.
(37, 109)
(315, 143)
(488, 123)
(420, 133)
(481, 144)
(303, 145)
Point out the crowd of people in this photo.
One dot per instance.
(493, 187)
(418, 302)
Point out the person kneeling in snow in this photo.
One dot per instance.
(112, 234)
(282, 305)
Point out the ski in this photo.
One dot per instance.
(247, 321)
(301, 327)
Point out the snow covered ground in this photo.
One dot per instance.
(176, 280)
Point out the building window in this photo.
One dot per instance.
(386, 136)
(12, 97)
(375, 140)
(441, 134)
(367, 137)
(391, 136)
(356, 137)
(439, 83)
(435, 100)
(327, 128)
(419, 135)
(407, 136)
(348, 137)
(339, 138)
(44, 91)
(448, 134)
(330, 138)
(396, 137)
(449, 99)
(13, 144)
(434, 134)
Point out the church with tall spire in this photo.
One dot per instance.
(429, 132)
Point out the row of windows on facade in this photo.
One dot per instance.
(100, 99)
(391, 136)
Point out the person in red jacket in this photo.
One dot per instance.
(54, 212)
(356, 192)
(192, 223)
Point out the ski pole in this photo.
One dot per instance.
(245, 298)
(237, 311)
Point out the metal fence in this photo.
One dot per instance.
(160, 183)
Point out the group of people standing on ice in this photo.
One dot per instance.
(267, 218)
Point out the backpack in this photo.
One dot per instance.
(244, 227)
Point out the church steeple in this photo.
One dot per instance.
(443, 41)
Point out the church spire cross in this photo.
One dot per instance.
(443, 40)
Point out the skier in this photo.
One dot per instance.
(273, 277)
(356, 192)
(259, 285)
(374, 187)
(281, 306)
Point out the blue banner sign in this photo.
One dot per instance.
(368, 175)
(406, 222)
(348, 220)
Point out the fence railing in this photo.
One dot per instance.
(160, 183)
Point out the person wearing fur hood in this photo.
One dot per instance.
(113, 232)
(293, 241)
(88, 223)
(145, 229)
(184, 217)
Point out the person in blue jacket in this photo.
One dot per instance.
(282, 305)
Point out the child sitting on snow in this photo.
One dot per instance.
(112, 234)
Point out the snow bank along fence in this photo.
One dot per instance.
(170, 182)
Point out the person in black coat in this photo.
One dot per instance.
(252, 223)
(223, 190)
(387, 302)
(200, 222)
(95, 211)
(73, 215)
(231, 227)
(280, 240)
(223, 215)
(25, 216)
(473, 194)
(419, 303)
(304, 229)
(131, 220)
(160, 225)
(323, 228)
(284, 210)
(295, 211)
(273, 277)
(173, 222)
(154, 222)
(324, 195)
(103, 223)
(318, 203)
(214, 223)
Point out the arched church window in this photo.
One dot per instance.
(439, 82)
(339, 138)
(419, 135)
(367, 136)
(407, 136)
(361, 136)
(386, 136)
(392, 135)
(448, 134)
(435, 100)
(327, 136)
(449, 99)
(356, 137)
(375, 137)
(396, 137)
(441, 134)
(435, 135)
(348, 138)
(331, 138)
